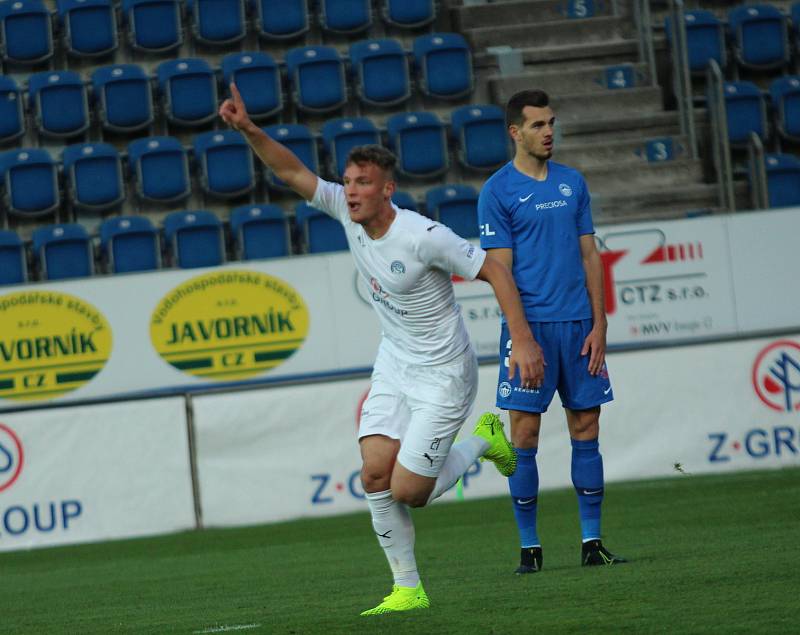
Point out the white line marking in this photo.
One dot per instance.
(225, 629)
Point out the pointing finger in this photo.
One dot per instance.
(237, 98)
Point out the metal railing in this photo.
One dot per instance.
(756, 164)
(720, 145)
(681, 74)
(644, 37)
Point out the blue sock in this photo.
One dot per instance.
(524, 487)
(587, 477)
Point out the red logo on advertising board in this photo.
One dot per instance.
(776, 376)
(12, 457)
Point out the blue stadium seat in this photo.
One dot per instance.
(30, 182)
(225, 163)
(420, 142)
(93, 176)
(129, 243)
(282, 20)
(124, 97)
(194, 239)
(299, 139)
(89, 27)
(260, 231)
(59, 103)
(339, 136)
(13, 263)
(481, 136)
(409, 14)
(317, 76)
(189, 91)
(785, 94)
(154, 26)
(345, 16)
(218, 22)
(320, 232)
(705, 39)
(794, 13)
(160, 168)
(258, 79)
(759, 34)
(455, 206)
(404, 200)
(783, 179)
(12, 111)
(62, 251)
(444, 65)
(381, 72)
(746, 112)
(26, 34)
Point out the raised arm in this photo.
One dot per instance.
(276, 156)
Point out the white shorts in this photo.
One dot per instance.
(422, 406)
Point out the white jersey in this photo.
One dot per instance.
(408, 272)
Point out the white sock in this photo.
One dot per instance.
(395, 530)
(461, 456)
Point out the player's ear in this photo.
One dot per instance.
(388, 189)
(513, 131)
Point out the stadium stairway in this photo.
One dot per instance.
(607, 133)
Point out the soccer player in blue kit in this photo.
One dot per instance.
(535, 217)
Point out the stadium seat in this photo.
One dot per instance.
(160, 169)
(217, 22)
(93, 176)
(345, 16)
(59, 103)
(759, 35)
(785, 94)
(13, 263)
(129, 243)
(189, 91)
(281, 20)
(420, 142)
(444, 65)
(481, 136)
(339, 136)
(89, 27)
(194, 239)
(62, 251)
(380, 69)
(705, 39)
(123, 97)
(783, 179)
(320, 232)
(30, 182)
(455, 206)
(409, 14)
(154, 26)
(12, 111)
(26, 33)
(260, 231)
(317, 76)
(299, 139)
(225, 163)
(258, 79)
(404, 200)
(746, 112)
(794, 13)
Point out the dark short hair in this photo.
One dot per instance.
(375, 154)
(536, 98)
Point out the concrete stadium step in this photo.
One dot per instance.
(622, 103)
(623, 152)
(626, 126)
(614, 178)
(567, 57)
(513, 12)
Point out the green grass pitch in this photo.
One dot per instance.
(708, 554)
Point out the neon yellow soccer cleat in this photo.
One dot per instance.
(402, 598)
(500, 452)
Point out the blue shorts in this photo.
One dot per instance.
(566, 371)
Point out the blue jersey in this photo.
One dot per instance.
(541, 221)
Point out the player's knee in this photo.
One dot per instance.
(523, 437)
(374, 479)
(411, 498)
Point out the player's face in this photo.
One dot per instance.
(367, 188)
(535, 135)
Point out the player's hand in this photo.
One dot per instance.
(528, 357)
(233, 111)
(595, 346)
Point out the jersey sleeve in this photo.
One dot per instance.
(583, 218)
(329, 198)
(494, 220)
(443, 249)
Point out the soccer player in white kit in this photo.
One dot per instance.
(425, 375)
